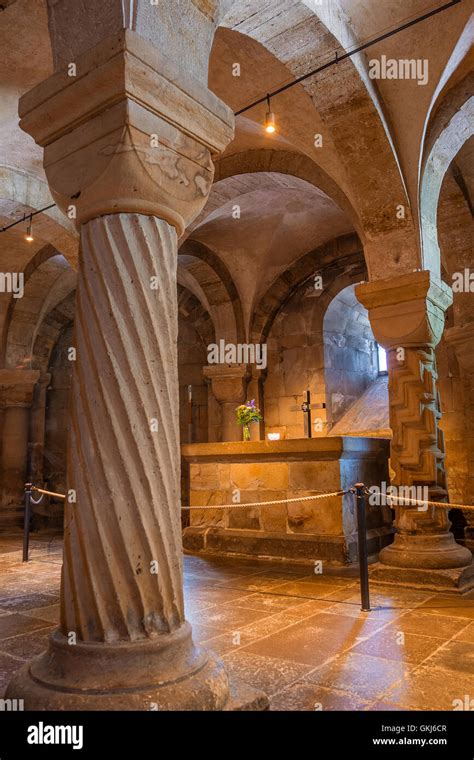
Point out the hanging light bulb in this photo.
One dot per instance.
(269, 119)
(29, 233)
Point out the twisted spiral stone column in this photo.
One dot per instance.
(123, 642)
(123, 451)
(128, 144)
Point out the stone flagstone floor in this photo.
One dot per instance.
(299, 637)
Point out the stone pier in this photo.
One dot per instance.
(128, 143)
(407, 317)
(16, 397)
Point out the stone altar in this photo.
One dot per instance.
(220, 473)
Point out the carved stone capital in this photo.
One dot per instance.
(461, 338)
(17, 387)
(406, 311)
(131, 132)
(229, 382)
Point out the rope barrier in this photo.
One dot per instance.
(266, 503)
(389, 499)
(36, 501)
(359, 491)
(48, 493)
(440, 504)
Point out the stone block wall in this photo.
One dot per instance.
(191, 359)
(453, 406)
(57, 413)
(295, 364)
(332, 352)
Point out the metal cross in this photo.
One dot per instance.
(306, 407)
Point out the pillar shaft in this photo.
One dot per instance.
(122, 554)
(129, 142)
(37, 429)
(16, 395)
(461, 338)
(407, 318)
(14, 452)
(229, 383)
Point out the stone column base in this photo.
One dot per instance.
(168, 673)
(468, 540)
(424, 551)
(435, 562)
(458, 580)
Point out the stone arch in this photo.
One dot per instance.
(339, 258)
(218, 286)
(453, 353)
(47, 285)
(450, 128)
(293, 333)
(195, 332)
(58, 319)
(348, 102)
(350, 358)
(44, 253)
(190, 308)
(30, 193)
(286, 162)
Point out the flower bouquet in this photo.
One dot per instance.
(247, 413)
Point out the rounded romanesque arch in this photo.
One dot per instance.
(218, 287)
(21, 193)
(350, 353)
(341, 257)
(289, 319)
(191, 309)
(450, 128)
(347, 105)
(286, 162)
(47, 285)
(55, 321)
(44, 253)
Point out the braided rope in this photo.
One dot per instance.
(389, 499)
(36, 501)
(266, 503)
(48, 493)
(440, 504)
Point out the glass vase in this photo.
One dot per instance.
(246, 429)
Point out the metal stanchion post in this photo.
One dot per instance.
(362, 541)
(26, 524)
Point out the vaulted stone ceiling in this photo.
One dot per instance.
(281, 218)
(293, 196)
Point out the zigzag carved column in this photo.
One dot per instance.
(114, 150)
(407, 317)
